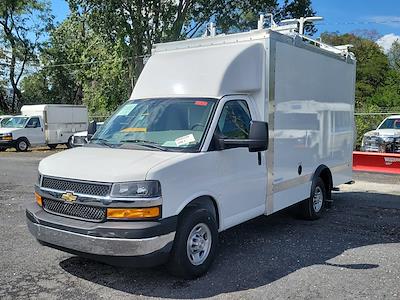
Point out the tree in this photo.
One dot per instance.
(22, 23)
(394, 55)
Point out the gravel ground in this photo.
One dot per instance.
(352, 252)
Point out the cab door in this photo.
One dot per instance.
(34, 131)
(242, 174)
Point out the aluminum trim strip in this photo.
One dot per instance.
(271, 119)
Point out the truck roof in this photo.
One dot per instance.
(217, 65)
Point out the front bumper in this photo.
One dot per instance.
(117, 243)
(7, 144)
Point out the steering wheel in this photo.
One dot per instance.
(197, 125)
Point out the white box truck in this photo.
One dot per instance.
(46, 124)
(218, 130)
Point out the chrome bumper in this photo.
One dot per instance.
(99, 245)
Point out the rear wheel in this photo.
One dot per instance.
(195, 244)
(22, 145)
(312, 208)
(69, 143)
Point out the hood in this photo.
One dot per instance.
(104, 164)
(8, 130)
(383, 132)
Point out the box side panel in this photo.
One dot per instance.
(313, 120)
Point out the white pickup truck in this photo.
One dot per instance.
(194, 151)
(48, 124)
(385, 138)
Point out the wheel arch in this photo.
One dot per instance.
(205, 201)
(325, 174)
(25, 139)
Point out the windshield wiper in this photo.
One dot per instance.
(145, 144)
(102, 142)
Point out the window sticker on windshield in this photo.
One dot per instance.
(185, 140)
(134, 129)
(127, 109)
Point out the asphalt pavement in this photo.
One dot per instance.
(352, 252)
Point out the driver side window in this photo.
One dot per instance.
(33, 123)
(234, 122)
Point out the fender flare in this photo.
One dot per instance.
(326, 175)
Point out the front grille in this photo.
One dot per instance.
(86, 188)
(75, 210)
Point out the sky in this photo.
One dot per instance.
(339, 15)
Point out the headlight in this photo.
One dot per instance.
(136, 189)
(6, 136)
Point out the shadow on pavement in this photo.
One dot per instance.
(265, 249)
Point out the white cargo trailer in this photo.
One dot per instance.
(218, 130)
(46, 124)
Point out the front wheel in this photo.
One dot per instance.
(22, 145)
(195, 244)
(312, 208)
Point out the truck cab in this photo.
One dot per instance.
(20, 132)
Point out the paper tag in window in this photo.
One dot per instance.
(184, 140)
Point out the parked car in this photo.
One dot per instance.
(193, 151)
(385, 138)
(81, 138)
(47, 124)
(4, 119)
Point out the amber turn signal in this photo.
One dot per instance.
(38, 199)
(133, 213)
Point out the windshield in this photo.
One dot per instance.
(165, 124)
(3, 121)
(390, 124)
(16, 122)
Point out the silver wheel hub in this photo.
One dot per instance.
(199, 244)
(22, 145)
(318, 199)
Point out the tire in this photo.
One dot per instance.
(69, 143)
(196, 224)
(313, 207)
(52, 146)
(22, 145)
(3, 149)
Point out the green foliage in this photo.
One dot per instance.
(22, 24)
(394, 56)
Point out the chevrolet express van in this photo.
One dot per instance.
(193, 151)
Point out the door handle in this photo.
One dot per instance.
(259, 158)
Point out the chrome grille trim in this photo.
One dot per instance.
(75, 210)
(78, 187)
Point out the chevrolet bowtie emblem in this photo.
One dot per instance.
(69, 197)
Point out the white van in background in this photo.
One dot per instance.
(204, 143)
(47, 124)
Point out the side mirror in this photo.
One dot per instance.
(92, 128)
(257, 141)
(258, 136)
